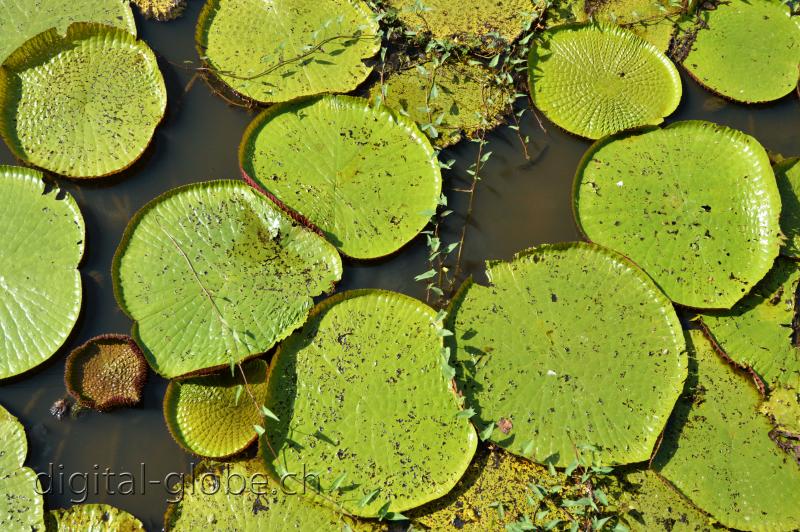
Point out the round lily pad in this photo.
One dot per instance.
(21, 504)
(282, 50)
(92, 518)
(106, 372)
(236, 274)
(40, 286)
(362, 399)
(367, 178)
(21, 20)
(717, 451)
(543, 381)
(596, 79)
(694, 204)
(747, 50)
(787, 172)
(84, 104)
(213, 416)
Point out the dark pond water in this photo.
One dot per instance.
(519, 203)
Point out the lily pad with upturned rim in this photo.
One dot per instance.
(83, 105)
(213, 273)
(597, 79)
(694, 204)
(366, 177)
(787, 172)
(569, 344)
(21, 502)
(106, 372)
(213, 416)
(287, 49)
(40, 285)
(92, 518)
(361, 396)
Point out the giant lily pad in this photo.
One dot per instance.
(694, 204)
(569, 344)
(787, 172)
(363, 175)
(718, 453)
(84, 104)
(757, 332)
(21, 504)
(213, 416)
(654, 21)
(40, 286)
(747, 50)
(213, 273)
(595, 80)
(281, 50)
(92, 518)
(21, 20)
(360, 393)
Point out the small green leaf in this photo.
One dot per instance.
(267, 412)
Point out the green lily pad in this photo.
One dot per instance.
(717, 451)
(548, 381)
(446, 100)
(252, 503)
(21, 504)
(213, 416)
(161, 9)
(694, 204)
(359, 391)
(21, 20)
(783, 406)
(757, 332)
(83, 105)
(92, 518)
(282, 50)
(787, 172)
(653, 21)
(40, 286)
(237, 275)
(366, 177)
(594, 80)
(106, 372)
(747, 50)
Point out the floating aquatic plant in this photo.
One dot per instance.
(106, 372)
(21, 504)
(41, 247)
(84, 104)
(717, 451)
(92, 518)
(363, 398)
(594, 80)
(21, 20)
(746, 50)
(212, 416)
(161, 9)
(787, 172)
(365, 176)
(214, 273)
(783, 407)
(652, 20)
(286, 49)
(694, 204)
(547, 364)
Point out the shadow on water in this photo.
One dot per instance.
(519, 203)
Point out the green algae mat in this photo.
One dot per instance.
(40, 286)
(543, 359)
(238, 274)
(21, 504)
(365, 176)
(85, 104)
(694, 204)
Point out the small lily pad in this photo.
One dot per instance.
(106, 372)
(717, 451)
(40, 286)
(236, 273)
(83, 105)
(92, 518)
(758, 331)
(161, 10)
(747, 50)
(360, 392)
(21, 503)
(787, 172)
(597, 79)
(213, 416)
(284, 49)
(366, 177)
(694, 204)
(558, 380)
